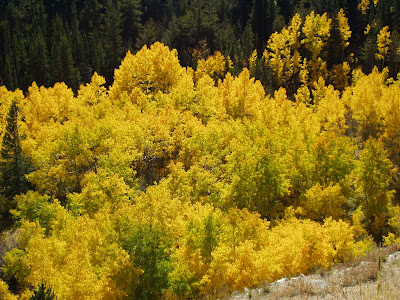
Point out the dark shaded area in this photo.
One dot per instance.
(51, 41)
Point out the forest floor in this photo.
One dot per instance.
(375, 276)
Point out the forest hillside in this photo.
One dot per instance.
(173, 180)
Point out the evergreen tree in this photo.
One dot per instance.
(19, 45)
(79, 44)
(247, 41)
(13, 166)
(63, 68)
(259, 22)
(7, 66)
(148, 35)
(97, 54)
(131, 26)
(200, 22)
(39, 60)
(113, 39)
(39, 17)
(8, 73)
(43, 293)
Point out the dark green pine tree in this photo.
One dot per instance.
(259, 22)
(43, 293)
(20, 59)
(247, 42)
(13, 166)
(63, 67)
(39, 60)
(13, 163)
(113, 39)
(80, 51)
(7, 70)
(131, 26)
(148, 35)
(8, 73)
(199, 24)
(335, 46)
(97, 53)
(262, 16)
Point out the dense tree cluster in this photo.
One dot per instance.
(189, 172)
(177, 182)
(67, 41)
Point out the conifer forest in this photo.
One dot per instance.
(174, 149)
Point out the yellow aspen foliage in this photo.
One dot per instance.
(5, 294)
(383, 43)
(333, 159)
(93, 98)
(373, 178)
(367, 29)
(391, 239)
(282, 53)
(364, 6)
(364, 98)
(155, 69)
(194, 247)
(67, 159)
(34, 207)
(181, 95)
(302, 242)
(253, 62)
(340, 75)
(81, 261)
(207, 103)
(214, 66)
(341, 237)
(323, 202)
(229, 272)
(100, 191)
(344, 28)
(329, 107)
(304, 73)
(357, 220)
(391, 125)
(317, 69)
(47, 105)
(208, 145)
(162, 132)
(303, 95)
(156, 208)
(119, 142)
(241, 95)
(93, 92)
(316, 30)
(256, 177)
(241, 225)
(194, 185)
(161, 185)
(226, 250)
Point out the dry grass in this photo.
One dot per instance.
(374, 276)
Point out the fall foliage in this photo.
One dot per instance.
(176, 182)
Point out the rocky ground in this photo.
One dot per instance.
(376, 276)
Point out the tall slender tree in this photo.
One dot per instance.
(39, 60)
(113, 39)
(63, 66)
(13, 166)
(13, 163)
